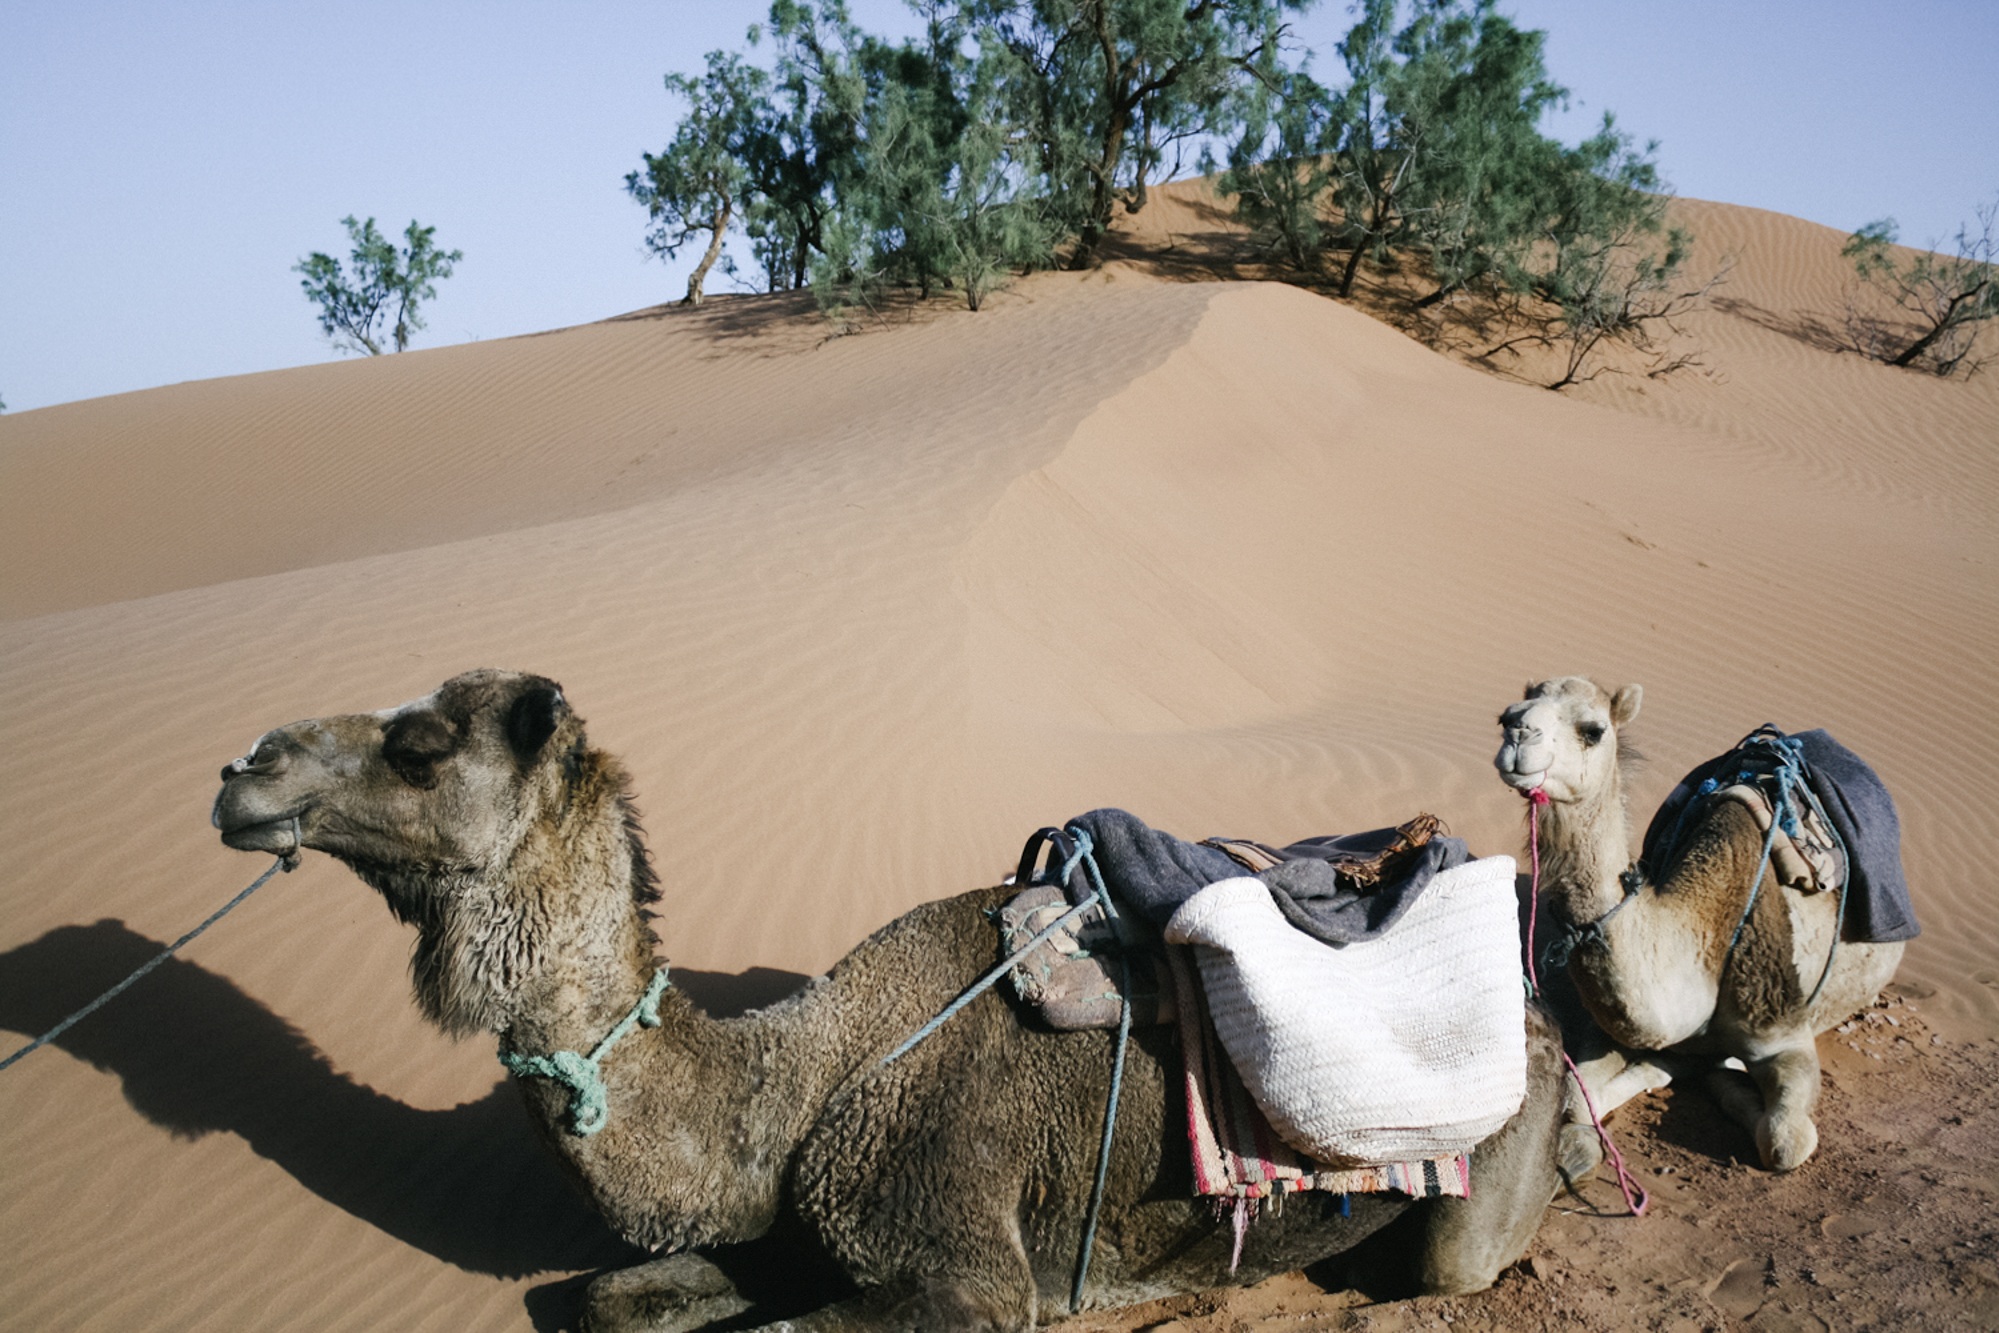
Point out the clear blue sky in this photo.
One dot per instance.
(163, 166)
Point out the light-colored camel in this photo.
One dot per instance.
(950, 1186)
(1658, 975)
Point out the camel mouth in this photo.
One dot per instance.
(279, 837)
(1525, 782)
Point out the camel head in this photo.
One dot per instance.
(1562, 738)
(471, 810)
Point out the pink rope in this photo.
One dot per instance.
(1635, 1197)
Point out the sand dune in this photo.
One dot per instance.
(861, 612)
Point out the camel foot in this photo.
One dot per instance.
(676, 1294)
(1785, 1145)
(1785, 1136)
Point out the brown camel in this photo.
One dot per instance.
(950, 1185)
(1658, 976)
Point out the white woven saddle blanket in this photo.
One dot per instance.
(1408, 1046)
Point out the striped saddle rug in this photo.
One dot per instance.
(1238, 1157)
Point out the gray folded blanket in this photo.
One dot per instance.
(1878, 909)
(1155, 872)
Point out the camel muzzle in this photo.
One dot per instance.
(248, 824)
(277, 837)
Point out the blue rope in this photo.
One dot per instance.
(1789, 777)
(984, 983)
(282, 863)
(589, 1100)
(1756, 886)
(1110, 1127)
(1101, 897)
(1084, 854)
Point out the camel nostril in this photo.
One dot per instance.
(262, 760)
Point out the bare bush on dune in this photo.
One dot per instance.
(1925, 310)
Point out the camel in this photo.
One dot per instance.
(950, 1185)
(1658, 976)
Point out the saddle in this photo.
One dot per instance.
(1079, 957)
(1066, 977)
(1767, 774)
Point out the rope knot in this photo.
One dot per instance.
(589, 1105)
(589, 1100)
(648, 1007)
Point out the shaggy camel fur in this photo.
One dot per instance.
(951, 1185)
(1659, 976)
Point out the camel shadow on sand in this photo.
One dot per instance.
(471, 1186)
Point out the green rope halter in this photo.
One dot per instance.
(588, 1107)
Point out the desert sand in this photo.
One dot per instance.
(861, 612)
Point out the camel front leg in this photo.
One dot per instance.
(675, 1294)
(1789, 1083)
(1616, 1077)
(935, 1305)
(1612, 1080)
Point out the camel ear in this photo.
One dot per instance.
(1624, 704)
(534, 718)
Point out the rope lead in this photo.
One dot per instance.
(287, 863)
(1635, 1197)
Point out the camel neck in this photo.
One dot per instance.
(577, 998)
(1584, 849)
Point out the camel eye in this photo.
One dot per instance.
(414, 744)
(1591, 732)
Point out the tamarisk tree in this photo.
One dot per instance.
(944, 188)
(1280, 165)
(386, 285)
(1606, 266)
(1103, 86)
(695, 189)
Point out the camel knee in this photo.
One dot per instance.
(675, 1294)
(1466, 1248)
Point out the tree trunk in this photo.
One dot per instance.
(1944, 324)
(1374, 226)
(1136, 200)
(1448, 289)
(1103, 190)
(723, 212)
